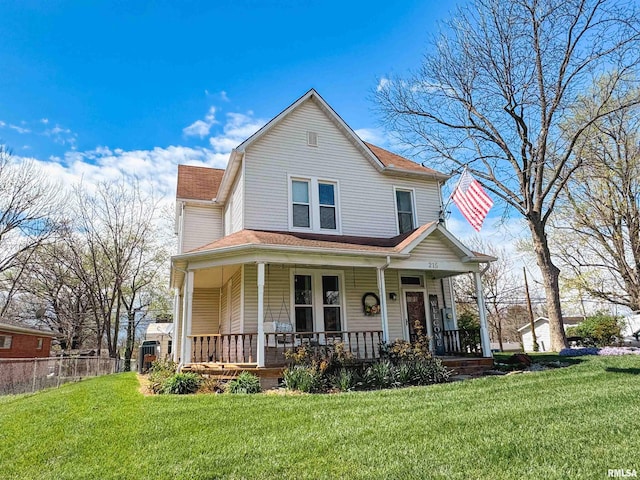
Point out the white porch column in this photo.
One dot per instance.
(482, 312)
(383, 305)
(175, 354)
(261, 342)
(187, 302)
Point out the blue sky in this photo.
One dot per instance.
(93, 89)
(132, 75)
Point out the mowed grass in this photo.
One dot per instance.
(575, 422)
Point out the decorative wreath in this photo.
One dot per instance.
(370, 304)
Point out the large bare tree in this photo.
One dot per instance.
(52, 285)
(493, 93)
(598, 225)
(29, 218)
(117, 253)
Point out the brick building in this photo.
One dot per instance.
(20, 342)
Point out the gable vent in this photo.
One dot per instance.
(312, 139)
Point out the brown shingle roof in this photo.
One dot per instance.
(391, 159)
(198, 183)
(315, 240)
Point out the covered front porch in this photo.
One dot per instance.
(252, 304)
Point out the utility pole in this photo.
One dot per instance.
(536, 348)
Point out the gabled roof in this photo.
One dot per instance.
(394, 161)
(383, 160)
(198, 183)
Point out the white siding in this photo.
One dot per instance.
(277, 288)
(237, 201)
(394, 309)
(225, 323)
(357, 282)
(284, 151)
(433, 253)
(202, 225)
(543, 336)
(236, 302)
(206, 310)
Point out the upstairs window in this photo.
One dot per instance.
(301, 204)
(406, 210)
(327, 195)
(314, 205)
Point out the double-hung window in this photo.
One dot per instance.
(317, 301)
(327, 202)
(301, 208)
(406, 210)
(314, 205)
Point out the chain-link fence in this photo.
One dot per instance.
(21, 375)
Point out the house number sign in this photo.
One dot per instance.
(436, 324)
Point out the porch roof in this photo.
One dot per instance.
(313, 240)
(270, 246)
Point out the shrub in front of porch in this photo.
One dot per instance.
(182, 383)
(244, 383)
(334, 369)
(303, 378)
(159, 372)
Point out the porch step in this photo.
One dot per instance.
(468, 366)
(228, 371)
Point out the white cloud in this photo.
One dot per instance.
(61, 135)
(239, 127)
(44, 120)
(18, 129)
(224, 97)
(373, 135)
(2, 124)
(155, 168)
(383, 83)
(201, 128)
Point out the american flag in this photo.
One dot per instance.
(471, 200)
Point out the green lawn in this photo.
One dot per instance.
(575, 422)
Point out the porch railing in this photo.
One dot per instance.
(462, 342)
(224, 348)
(363, 345)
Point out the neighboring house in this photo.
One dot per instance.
(506, 346)
(630, 331)
(163, 334)
(543, 335)
(20, 342)
(311, 235)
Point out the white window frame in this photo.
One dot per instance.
(413, 205)
(316, 294)
(310, 203)
(314, 204)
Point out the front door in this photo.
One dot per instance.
(416, 313)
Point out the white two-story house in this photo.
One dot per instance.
(311, 235)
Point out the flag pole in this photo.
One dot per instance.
(443, 211)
